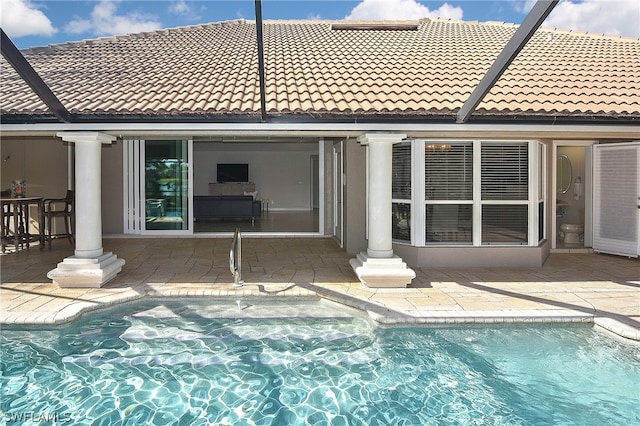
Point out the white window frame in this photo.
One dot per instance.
(539, 178)
(411, 201)
(536, 164)
(482, 202)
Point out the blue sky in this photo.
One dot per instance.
(32, 23)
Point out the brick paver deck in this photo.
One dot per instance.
(592, 288)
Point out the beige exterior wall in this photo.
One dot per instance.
(355, 197)
(41, 162)
(473, 257)
(44, 164)
(112, 188)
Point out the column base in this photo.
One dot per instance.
(389, 272)
(88, 273)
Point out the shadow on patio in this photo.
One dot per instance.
(569, 287)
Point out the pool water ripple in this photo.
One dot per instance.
(312, 362)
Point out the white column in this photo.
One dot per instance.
(90, 266)
(379, 192)
(88, 187)
(379, 267)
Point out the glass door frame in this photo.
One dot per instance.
(587, 182)
(134, 188)
(338, 191)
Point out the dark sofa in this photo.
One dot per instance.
(226, 206)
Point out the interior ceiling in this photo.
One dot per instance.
(257, 145)
(258, 139)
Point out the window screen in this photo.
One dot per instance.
(449, 223)
(449, 171)
(401, 192)
(504, 224)
(504, 178)
(401, 221)
(505, 171)
(401, 166)
(448, 176)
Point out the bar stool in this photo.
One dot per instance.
(7, 214)
(59, 208)
(15, 219)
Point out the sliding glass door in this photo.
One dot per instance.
(158, 187)
(166, 172)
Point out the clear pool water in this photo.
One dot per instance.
(310, 362)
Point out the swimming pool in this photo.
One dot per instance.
(278, 361)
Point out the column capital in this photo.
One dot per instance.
(392, 138)
(76, 137)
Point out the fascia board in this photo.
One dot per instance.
(320, 129)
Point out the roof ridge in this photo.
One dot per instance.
(554, 29)
(586, 33)
(421, 21)
(437, 19)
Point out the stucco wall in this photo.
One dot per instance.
(355, 197)
(42, 162)
(472, 257)
(112, 181)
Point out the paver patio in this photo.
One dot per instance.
(570, 287)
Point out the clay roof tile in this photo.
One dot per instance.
(363, 67)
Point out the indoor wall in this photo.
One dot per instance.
(281, 171)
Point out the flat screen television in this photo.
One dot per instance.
(232, 173)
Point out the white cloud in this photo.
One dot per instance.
(401, 9)
(20, 18)
(524, 6)
(180, 7)
(184, 9)
(612, 17)
(105, 21)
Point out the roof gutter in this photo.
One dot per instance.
(523, 34)
(196, 119)
(263, 95)
(340, 130)
(32, 78)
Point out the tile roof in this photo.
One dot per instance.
(423, 68)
